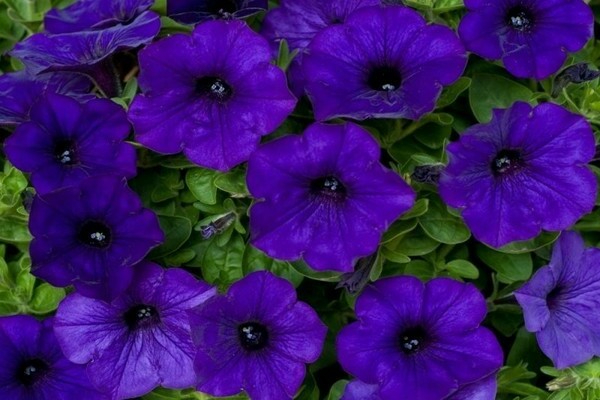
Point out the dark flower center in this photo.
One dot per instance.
(253, 336)
(520, 18)
(95, 234)
(329, 187)
(506, 161)
(413, 340)
(553, 298)
(384, 79)
(140, 315)
(65, 152)
(31, 371)
(221, 6)
(214, 88)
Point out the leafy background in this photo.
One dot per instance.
(430, 240)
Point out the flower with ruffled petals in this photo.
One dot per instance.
(211, 95)
(90, 235)
(561, 302)
(298, 21)
(522, 172)
(86, 15)
(323, 196)
(383, 62)
(419, 341)
(32, 366)
(20, 90)
(140, 340)
(65, 142)
(531, 37)
(88, 52)
(194, 11)
(257, 338)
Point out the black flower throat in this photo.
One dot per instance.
(214, 88)
(31, 371)
(140, 316)
(253, 336)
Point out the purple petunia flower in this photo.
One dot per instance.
(194, 11)
(419, 341)
(90, 235)
(483, 389)
(140, 340)
(531, 37)
(298, 21)
(86, 15)
(522, 172)
(20, 90)
(87, 52)
(323, 196)
(212, 94)
(32, 366)
(374, 66)
(561, 301)
(65, 142)
(256, 338)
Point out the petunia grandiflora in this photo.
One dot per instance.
(522, 172)
(212, 94)
(257, 338)
(382, 62)
(531, 37)
(419, 341)
(323, 196)
(141, 339)
(561, 301)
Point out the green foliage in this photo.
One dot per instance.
(489, 91)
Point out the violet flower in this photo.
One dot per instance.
(298, 21)
(419, 341)
(89, 52)
(211, 95)
(522, 172)
(194, 11)
(20, 90)
(140, 340)
(32, 366)
(84, 15)
(65, 141)
(323, 196)
(255, 338)
(561, 301)
(372, 65)
(90, 235)
(531, 37)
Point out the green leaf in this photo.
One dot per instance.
(309, 390)
(527, 246)
(419, 208)
(462, 269)
(327, 276)
(451, 93)
(442, 226)
(337, 390)
(45, 299)
(399, 228)
(490, 91)
(421, 269)
(507, 318)
(233, 182)
(201, 183)
(284, 56)
(221, 265)
(256, 260)
(177, 231)
(14, 230)
(415, 243)
(510, 267)
(394, 256)
(169, 26)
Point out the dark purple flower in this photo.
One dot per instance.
(90, 235)
(483, 389)
(323, 196)
(522, 172)
(66, 141)
(32, 366)
(255, 338)
(88, 52)
(140, 340)
(419, 341)
(561, 302)
(194, 11)
(531, 37)
(375, 66)
(298, 21)
(84, 15)
(20, 90)
(212, 94)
